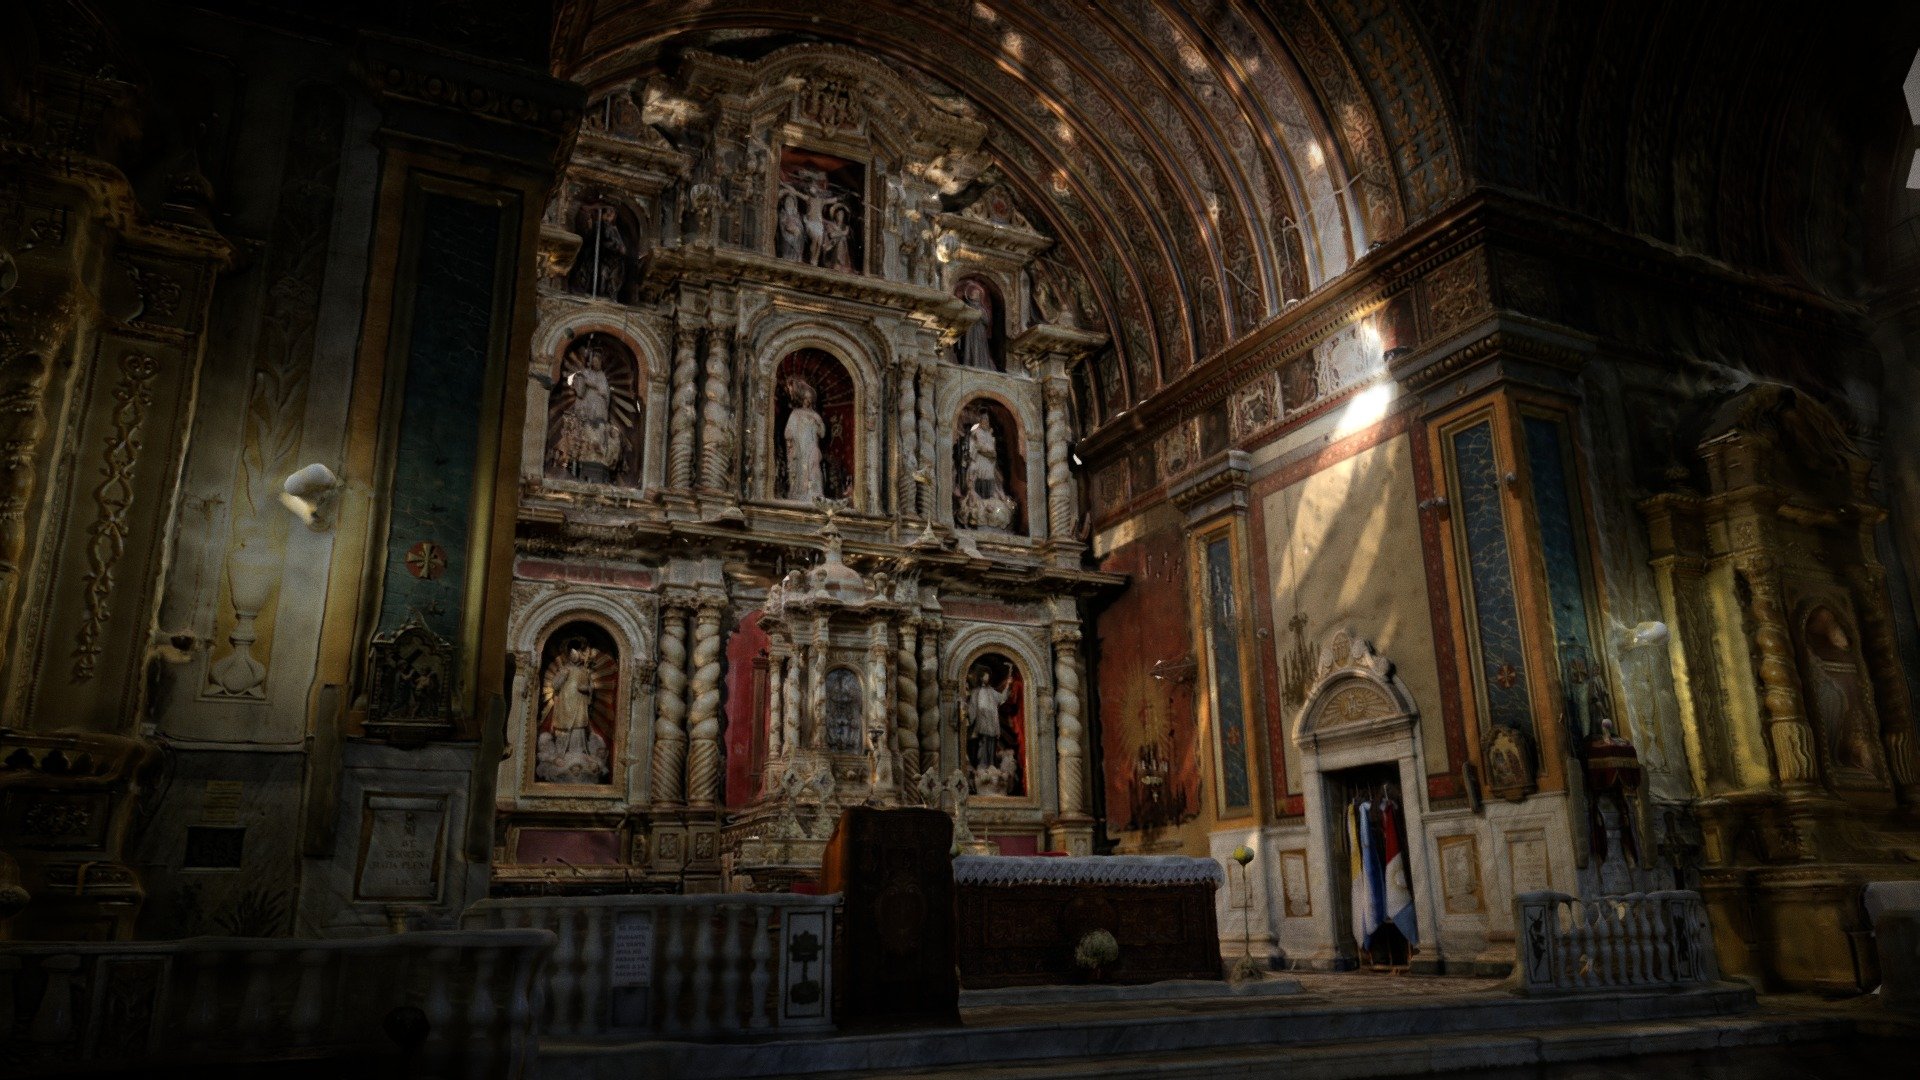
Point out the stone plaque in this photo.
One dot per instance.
(1294, 884)
(402, 842)
(1460, 875)
(221, 806)
(1527, 855)
(632, 960)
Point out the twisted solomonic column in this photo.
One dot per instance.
(817, 686)
(905, 498)
(717, 437)
(879, 718)
(703, 710)
(790, 704)
(930, 695)
(1060, 500)
(906, 703)
(670, 709)
(929, 378)
(776, 707)
(1069, 730)
(684, 411)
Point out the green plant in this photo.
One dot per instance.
(1096, 950)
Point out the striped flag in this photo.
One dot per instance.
(1357, 876)
(1399, 888)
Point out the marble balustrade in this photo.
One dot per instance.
(710, 964)
(1635, 940)
(447, 1003)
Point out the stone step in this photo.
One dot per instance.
(1414, 1055)
(1063, 1035)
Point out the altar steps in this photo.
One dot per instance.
(1311, 1035)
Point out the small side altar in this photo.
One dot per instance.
(1021, 919)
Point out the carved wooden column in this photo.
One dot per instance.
(776, 705)
(685, 414)
(1795, 762)
(929, 379)
(906, 500)
(907, 699)
(717, 435)
(703, 708)
(32, 330)
(817, 685)
(1061, 519)
(790, 703)
(879, 719)
(1889, 689)
(1069, 730)
(929, 694)
(670, 708)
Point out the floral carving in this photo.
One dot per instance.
(114, 499)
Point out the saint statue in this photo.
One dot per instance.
(568, 750)
(975, 348)
(984, 500)
(839, 252)
(793, 232)
(803, 434)
(589, 443)
(993, 760)
(601, 267)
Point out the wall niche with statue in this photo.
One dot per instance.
(989, 479)
(595, 413)
(813, 423)
(578, 703)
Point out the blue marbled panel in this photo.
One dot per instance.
(431, 499)
(1496, 613)
(1559, 545)
(1223, 636)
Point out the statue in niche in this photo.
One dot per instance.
(975, 347)
(983, 501)
(838, 230)
(843, 711)
(594, 413)
(803, 433)
(993, 737)
(576, 689)
(1839, 698)
(601, 267)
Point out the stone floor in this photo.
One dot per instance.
(1821, 1060)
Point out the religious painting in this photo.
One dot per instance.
(995, 726)
(989, 479)
(843, 711)
(813, 426)
(1839, 698)
(602, 268)
(1145, 685)
(594, 413)
(982, 344)
(820, 212)
(578, 698)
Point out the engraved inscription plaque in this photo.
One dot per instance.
(402, 843)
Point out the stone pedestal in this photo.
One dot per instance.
(399, 856)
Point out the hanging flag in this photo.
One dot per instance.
(1376, 901)
(1398, 884)
(1357, 876)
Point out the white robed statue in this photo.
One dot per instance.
(983, 498)
(803, 434)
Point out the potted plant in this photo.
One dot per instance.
(1096, 953)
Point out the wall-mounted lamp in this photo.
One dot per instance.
(310, 494)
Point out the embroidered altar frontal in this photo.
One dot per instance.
(1020, 920)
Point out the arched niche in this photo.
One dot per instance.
(989, 468)
(610, 240)
(984, 344)
(996, 725)
(820, 210)
(815, 425)
(845, 711)
(596, 412)
(576, 727)
(1839, 696)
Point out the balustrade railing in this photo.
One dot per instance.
(713, 965)
(445, 1002)
(1638, 940)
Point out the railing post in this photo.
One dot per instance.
(760, 955)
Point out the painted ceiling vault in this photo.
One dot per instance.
(1203, 161)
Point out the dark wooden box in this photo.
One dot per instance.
(894, 872)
